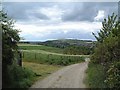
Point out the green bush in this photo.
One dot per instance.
(78, 50)
(107, 51)
(19, 77)
(113, 78)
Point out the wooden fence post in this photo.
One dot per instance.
(35, 56)
(22, 54)
(19, 59)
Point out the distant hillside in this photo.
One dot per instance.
(68, 46)
(63, 43)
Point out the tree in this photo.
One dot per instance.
(107, 47)
(10, 37)
(107, 51)
(108, 25)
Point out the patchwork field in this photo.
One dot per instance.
(48, 55)
(39, 47)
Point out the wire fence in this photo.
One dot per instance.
(51, 58)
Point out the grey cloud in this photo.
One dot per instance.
(18, 10)
(39, 15)
(15, 10)
(73, 12)
(84, 13)
(81, 11)
(89, 10)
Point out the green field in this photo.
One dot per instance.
(39, 47)
(47, 55)
(51, 58)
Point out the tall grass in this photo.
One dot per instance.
(95, 76)
(41, 70)
(19, 77)
(51, 58)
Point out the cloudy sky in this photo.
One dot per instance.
(58, 20)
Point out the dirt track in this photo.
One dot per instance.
(68, 77)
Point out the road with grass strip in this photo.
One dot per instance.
(71, 76)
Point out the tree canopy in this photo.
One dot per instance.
(10, 37)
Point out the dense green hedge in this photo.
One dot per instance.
(113, 75)
(78, 50)
(107, 51)
(19, 77)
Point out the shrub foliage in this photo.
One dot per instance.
(107, 50)
(13, 75)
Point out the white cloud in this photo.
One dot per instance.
(100, 15)
(41, 31)
(35, 28)
(61, 1)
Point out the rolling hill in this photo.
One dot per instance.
(63, 43)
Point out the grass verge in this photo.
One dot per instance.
(95, 76)
(41, 70)
(24, 77)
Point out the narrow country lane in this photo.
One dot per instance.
(68, 77)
